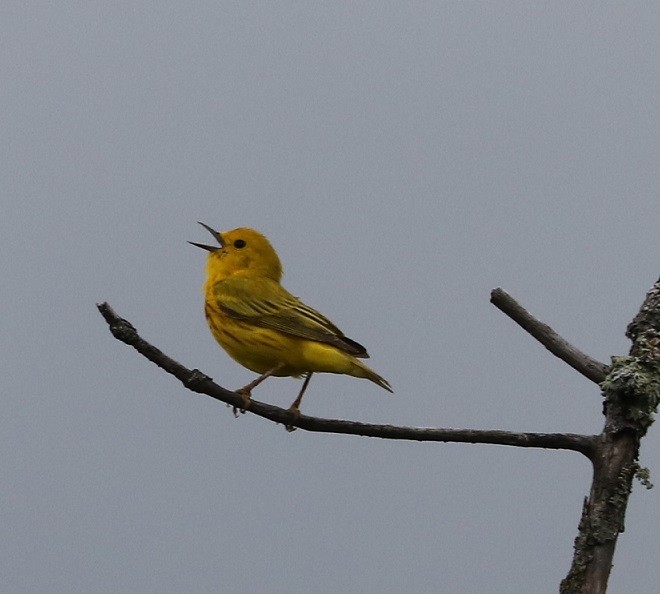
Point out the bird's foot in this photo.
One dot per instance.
(295, 413)
(245, 394)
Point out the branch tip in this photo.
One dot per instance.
(589, 367)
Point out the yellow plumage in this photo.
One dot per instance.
(264, 327)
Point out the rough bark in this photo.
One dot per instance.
(631, 392)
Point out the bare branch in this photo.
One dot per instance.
(581, 362)
(198, 382)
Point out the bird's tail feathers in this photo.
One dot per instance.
(361, 370)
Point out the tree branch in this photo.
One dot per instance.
(632, 392)
(631, 388)
(198, 382)
(581, 362)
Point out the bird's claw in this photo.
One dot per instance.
(295, 413)
(245, 396)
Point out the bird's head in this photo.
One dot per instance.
(241, 251)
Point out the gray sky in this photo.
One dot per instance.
(404, 159)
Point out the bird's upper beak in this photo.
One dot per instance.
(215, 234)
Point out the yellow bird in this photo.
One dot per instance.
(264, 327)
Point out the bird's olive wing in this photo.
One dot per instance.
(267, 304)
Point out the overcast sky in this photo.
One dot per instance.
(404, 159)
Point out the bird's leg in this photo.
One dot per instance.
(246, 391)
(295, 406)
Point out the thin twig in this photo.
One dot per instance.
(558, 346)
(198, 382)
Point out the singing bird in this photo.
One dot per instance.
(264, 327)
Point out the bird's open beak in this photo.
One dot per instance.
(215, 234)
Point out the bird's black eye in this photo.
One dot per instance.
(239, 243)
